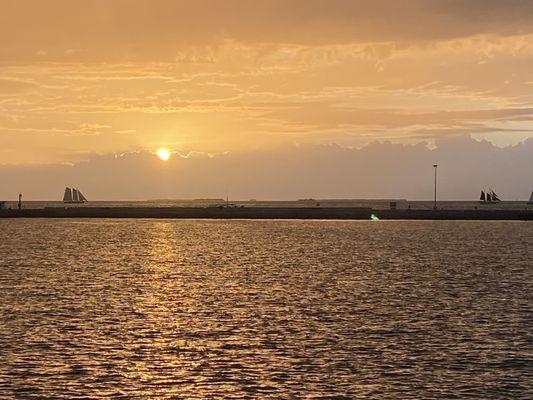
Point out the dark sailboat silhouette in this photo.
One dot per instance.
(73, 196)
(489, 197)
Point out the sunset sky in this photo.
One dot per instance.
(85, 79)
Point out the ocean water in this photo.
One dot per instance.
(185, 309)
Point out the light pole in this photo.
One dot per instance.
(435, 192)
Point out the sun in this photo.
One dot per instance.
(163, 154)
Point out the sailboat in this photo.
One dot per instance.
(488, 197)
(530, 198)
(73, 196)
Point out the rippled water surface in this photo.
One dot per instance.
(273, 309)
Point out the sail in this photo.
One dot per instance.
(482, 197)
(75, 196)
(81, 197)
(489, 197)
(531, 197)
(495, 197)
(68, 195)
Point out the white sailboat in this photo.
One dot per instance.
(73, 196)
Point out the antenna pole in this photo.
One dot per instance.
(435, 189)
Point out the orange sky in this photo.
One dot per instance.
(113, 76)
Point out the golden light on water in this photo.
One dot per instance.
(163, 154)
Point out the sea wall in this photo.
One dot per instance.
(480, 214)
(192, 212)
(265, 213)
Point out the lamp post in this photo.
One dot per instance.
(435, 191)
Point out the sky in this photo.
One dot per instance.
(84, 84)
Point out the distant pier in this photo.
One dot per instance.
(325, 213)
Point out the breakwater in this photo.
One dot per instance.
(264, 213)
(469, 214)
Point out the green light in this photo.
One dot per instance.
(374, 217)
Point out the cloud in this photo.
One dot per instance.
(214, 76)
(14, 85)
(148, 29)
(378, 170)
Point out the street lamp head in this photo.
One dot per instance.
(434, 165)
